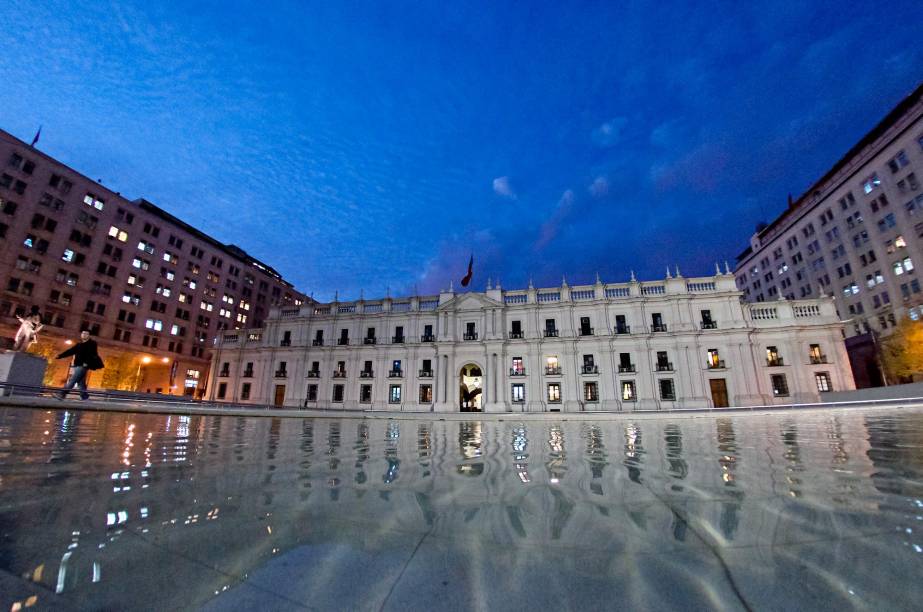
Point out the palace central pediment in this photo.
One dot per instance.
(469, 301)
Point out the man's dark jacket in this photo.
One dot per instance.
(85, 354)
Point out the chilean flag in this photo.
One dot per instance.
(467, 279)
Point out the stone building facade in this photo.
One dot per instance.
(153, 290)
(674, 343)
(856, 234)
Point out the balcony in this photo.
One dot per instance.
(623, 329)
(517, 371)
(589, 369)
(317, 342)
(395, 373)
(709, 324)
(427, 338)
(342, 341)
(473, 336)
(553, 370)
(659, 327)
(627, 368)
(397, 339)
(285, 343)
(775, 363)
(665, 366)
(551, 333)
(586, 331)
(313, 373)
(515, 335)
(224, 373)
(818, 359)
(366, 374)
(717, 364)
(281, 374)
(425, 373)
(339, 373)
(368, 341)
(247, 374)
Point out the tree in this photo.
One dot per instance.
(902, 351)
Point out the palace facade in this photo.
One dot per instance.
(673, 343)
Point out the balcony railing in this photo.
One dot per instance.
(397, 339)
(285, 343)
(665, 366)
(517, 371)
(589, 369)
(551, 333)
(553, 370)
(427, 338)
(281, 373)
(514, 335)
(368, 341)
(313, 373)
(247, 374)
(818, 359)
(709, 325)
(342, 341)
(366, 374)
(473, 336)
(224, 373)
(425, 373)
(586, 331)
(659, 327)
(395, 373)
(317, 342)
(339, 373)
(716, 365)
(775, 363)
(623, 329)
(626, 368)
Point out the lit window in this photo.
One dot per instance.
(91, 200)
(554, 392)
(154, 324)
(628, 390)
(175, 330)
(120, 235)
(68, 255)
(870, 183)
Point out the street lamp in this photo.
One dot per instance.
(143, 362)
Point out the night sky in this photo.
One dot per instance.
(375, 145)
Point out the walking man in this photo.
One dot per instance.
(86, 358)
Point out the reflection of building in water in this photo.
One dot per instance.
(241, 491)
(675, 342)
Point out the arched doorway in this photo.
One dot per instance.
(470, 383)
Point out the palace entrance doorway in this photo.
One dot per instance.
(470, 388)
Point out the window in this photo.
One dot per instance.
(311, 395)
(426, 394)
(714, 360)
(222, 390)
(519, 392)
(93, 201)
(772, 356)
(154, 324)
(554, 392)
(245, 391)
(517, 368)
(338, 393)
(591, 392)
(667, 390)
(871, 183)
(822, 379)
(628, 391)
(365, 394)
(779, 385)
(394, 394)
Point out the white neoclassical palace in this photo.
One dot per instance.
(676, 342)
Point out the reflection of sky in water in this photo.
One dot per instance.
(818, 509)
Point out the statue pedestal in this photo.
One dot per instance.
(21, 369)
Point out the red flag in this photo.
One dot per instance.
(467, 279)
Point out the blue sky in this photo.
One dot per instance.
(373, 145)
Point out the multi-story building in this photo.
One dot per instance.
(856, 234)
(152, 289)
(677, 342)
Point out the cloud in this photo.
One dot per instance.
(599, 188)
(609, 133)
(550, 228)
(503, 188)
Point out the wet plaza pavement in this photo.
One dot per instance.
(817, 509)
